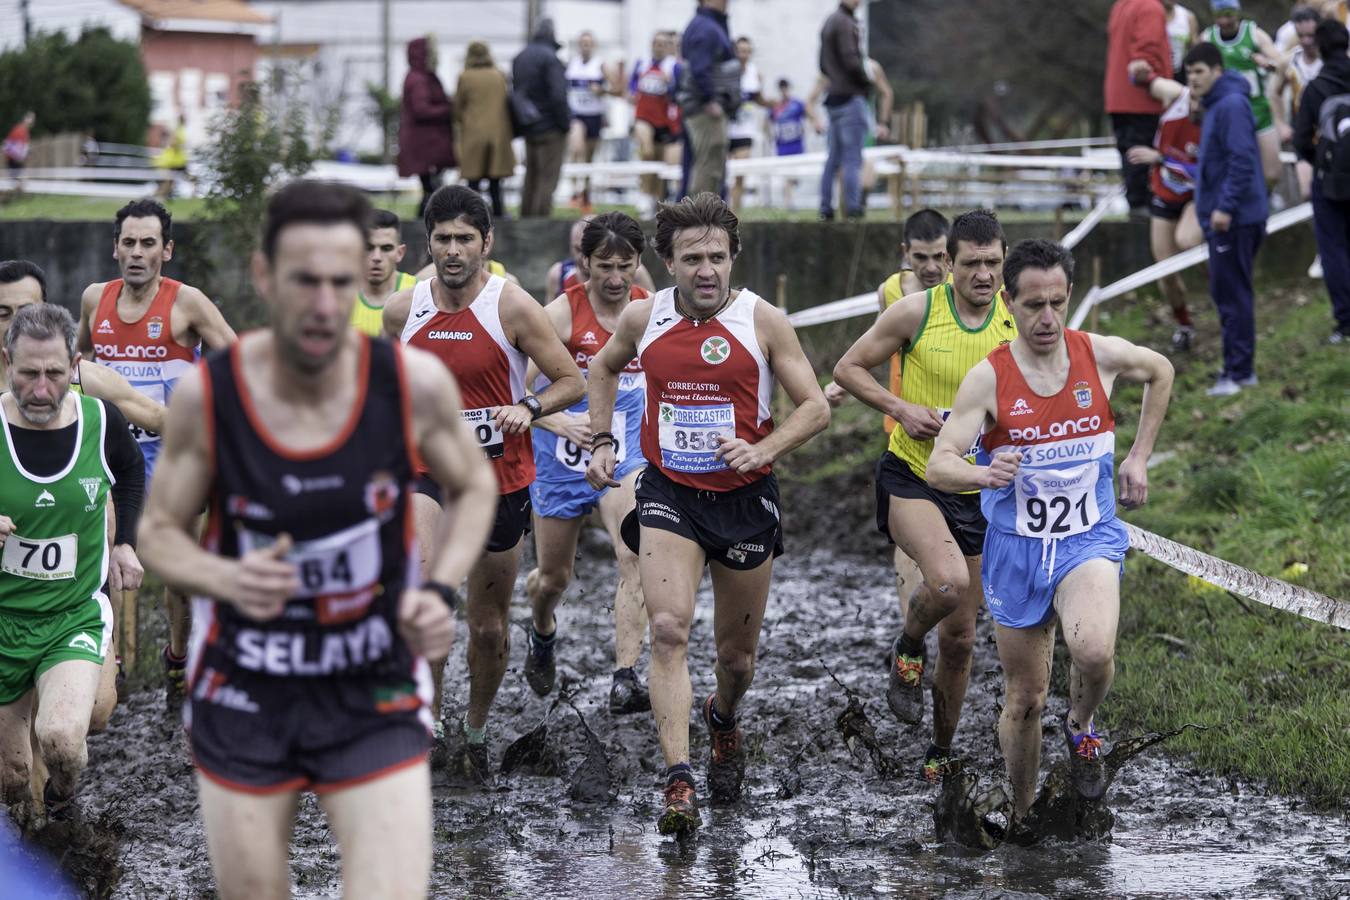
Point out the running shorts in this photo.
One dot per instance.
(512, 519)
(574, 498)
(31, 643)
(1021, 574)
(740, 144)
(593, 125)
(1159, 208)
(961, 512)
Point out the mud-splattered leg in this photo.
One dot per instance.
(630, 613)
(1026, 654)
(671, 568)
(1088, 602)
(491, 582)
(956, 640)
(918, 528)
(65, 694)
(739, 599)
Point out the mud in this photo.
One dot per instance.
(822, 816)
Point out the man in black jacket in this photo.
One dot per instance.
(705, 98)
(845, 68)
(539, 82)
(1331, 217)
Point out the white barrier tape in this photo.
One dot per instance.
(835, 311)
(1263, 589)
(1091, 220)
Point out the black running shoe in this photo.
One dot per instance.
(627, 694)
(59, 809)
(472, 763)
(541, 670)
(680, 815)
(905, 691)
(726, 764)
(175, 683)
(1086, 768)
(1182, 337)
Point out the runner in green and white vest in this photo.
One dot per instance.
(1249, 51)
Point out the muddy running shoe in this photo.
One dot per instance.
(905, 691)
(541, 670)
(1086, 769)
(472, 764)
(726, 764)
(439, 757)
(681, 813)
(175, 683)
(627, 694)
(120, 682)
(59, 809)
(937, 764)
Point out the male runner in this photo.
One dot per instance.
(486, 331)
(588, 83)
(150, 329)
(311, 619)
(1054, 545)
(384, 251)
(711, 356)
(570, 271)
(786, 118)
(1183, 32)
(584, 318)
(745, 123)
(651, 90)
(63, 454)
(1249, 51)
(1303, 64)
(940, 334)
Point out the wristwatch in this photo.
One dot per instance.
(533, 405)
(445, 591)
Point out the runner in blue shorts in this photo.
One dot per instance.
(1054, 546)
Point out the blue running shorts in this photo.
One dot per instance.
(1021, 574)
(574, 498)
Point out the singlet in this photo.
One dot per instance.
(557, 459)
(1178, 140)
(345, 505)
(57, 556)
(1300, 71)
(1066, 483)
(653, 83)
(568, 276)
(143, 352)
(581, 75)
(744, 126)
(1179, 37)
(1237, 57)
(491, 372)
(891, 291)
(369, 319)
(706, 383)
(932, 366)
(789, 132)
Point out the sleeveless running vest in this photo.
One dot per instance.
(1179, 37)
(490, 372)
(1178, 140)
(57, 556)
(581, 76)
(143, 352)
(891, 291)
(706, 383)
(943, 350)
(1066, 483)
(369, 320)
(1300, 72)
(653, 83)
(789, 131)
(745, 124)
(347, 508)
(556, 459)
(1237, 57)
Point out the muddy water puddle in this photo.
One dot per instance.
(818, 821)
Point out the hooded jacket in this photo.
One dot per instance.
(538, 74)
(425, 142)
(1230, 176)
(1334, 79)
(706, 44)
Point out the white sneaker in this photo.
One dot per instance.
(1224, 387)
(1249, 381)
(1315, 270)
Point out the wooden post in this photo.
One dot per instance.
(1059, 222)
(1096, 280)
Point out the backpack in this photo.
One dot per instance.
(1333, 147)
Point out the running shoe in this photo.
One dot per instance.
(1086, 769)
(937, 764)
(1315, 269)
(473, 764)
(1181, 338)
(1224, 387)
(120, 682)
(905, 692)
(627, 694)
(541, 670)
(680, 815)
(175, 683)
(439, 757)
(726, 765)
(59, 809)
(1338, 337)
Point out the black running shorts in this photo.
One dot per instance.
(1159, 208)
(511, 522)
(961, 511)
(739, 528)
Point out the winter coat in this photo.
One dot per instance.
(538, 74)
(1230, 176)
(1136, 29)
(483, 123)
(1334, 79)
(425, 143)
(706, 43)
(841, 56)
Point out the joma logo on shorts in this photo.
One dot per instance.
(1085, 425)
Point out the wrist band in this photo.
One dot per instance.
(602, 436)
(597, 443)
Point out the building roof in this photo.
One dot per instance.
(214, 10)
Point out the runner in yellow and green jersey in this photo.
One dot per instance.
(384, 251)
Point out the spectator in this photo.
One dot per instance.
(539, 82)
(425, 142)
(1136, 30)
(1248, 51)
(844, 66)
(1230, 203)
(483, 120)
(17, 143)
(172, 159)
(709, 93)
(745, 124)
(1330, 155)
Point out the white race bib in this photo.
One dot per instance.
(486, 431)
(577, 459)
(690, 435)
(1056, 503)
(42, 559)
(340, 563)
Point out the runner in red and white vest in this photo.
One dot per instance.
(486, 330)
(1053, 548)
(711, 356)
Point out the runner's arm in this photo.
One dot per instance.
(893, 329)
(111, 387)
(1274, 95)
(207, 321)
(602, 386)
(1153, 370)
(947, 468)
(88, 308)
(128, 470)
(395, 315)
(1165, 90)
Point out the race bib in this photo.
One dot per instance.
(577, 459)
(1056, 503)
(690, 435)
(42, 559)
(653, 83)
(340, 563)
(485, 430)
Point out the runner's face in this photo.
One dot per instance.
(384, 251)
(1307, 38)
(743, 51)
(587, 46)
(612, 276)
(977, 272)
(458, 251)
(14, 297)
(311, 286)
(1228, 22)
(701, 266)
(928, 259)
(1201, 77)
(1039, 308)
(140, 250)
(39, 377)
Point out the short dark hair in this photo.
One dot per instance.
(1203, 53)
(383, 218)
(1332, 38)
(978, 227)
(12, 271)
(706, 211)
(455, 201)
(926, 225)
(144, 209)
(42, 322)
(310, 201)
(612, 234)
(784, 84)
(1035, 253)
(1305, 14)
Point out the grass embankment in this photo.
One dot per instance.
(1262, 480)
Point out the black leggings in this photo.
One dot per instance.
(494, 191)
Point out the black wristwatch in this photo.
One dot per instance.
(444, 591)
(533, 405)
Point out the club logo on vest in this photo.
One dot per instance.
(83, 641)
(715, 351)
(91, 486)
(45, 500)
(1082, 394)
(589, 338)
(381, 495)
(154, 328)
(105, 327)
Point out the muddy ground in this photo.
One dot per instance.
(816, 822)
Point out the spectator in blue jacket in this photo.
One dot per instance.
(705, 98)
(1230, 202)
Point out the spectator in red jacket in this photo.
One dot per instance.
(426, 146)
(17, 143)
(1136, 30)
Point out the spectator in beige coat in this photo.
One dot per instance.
(483, 123)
